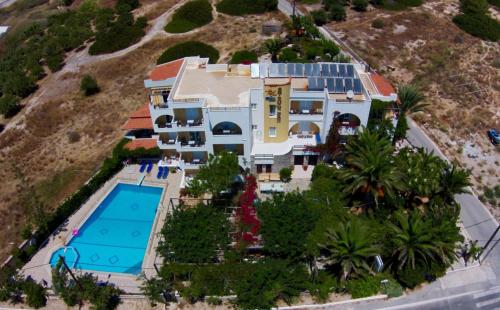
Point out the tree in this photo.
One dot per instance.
(9, 105)
(287, 55)
(330, 48)
(360, 5)
(332, 144)
(453, 181)
(273, 46)
(286, 221)
(285, 175)
(216, 176)
(320, 17)
(194, 235)
(370, 169)
(349, 247)
(410, 99)
(89, 85)
(156, 289)
(36, 294)
(337, 12)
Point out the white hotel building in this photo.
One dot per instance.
(272, 115)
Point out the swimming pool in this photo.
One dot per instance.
(115, 237)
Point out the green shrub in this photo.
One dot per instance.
(214, 301)
(244, 7)
(399, 4)
(286, 175)
(378, 23)
(479, 25)
(9, 105)
(360, 5)
(89, 86)
(495, 3)
(364, 287)
(191, 15)
(36, 296)
(320, 17)
(287, 55)
(324, 285)
(474, 7)
(392, 288)
(410, 278)
(243, 56)
(190, 48)
(337, 12)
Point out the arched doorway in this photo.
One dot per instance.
(349, 123)
(304, 127)
(164, 121)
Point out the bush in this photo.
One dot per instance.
(214, 301)
(9, 105)
(191, 15)
(286, 175)
(360, 5)
(320, 17)
(324, 285)
(73, 136)
(287, 55)
(364, 287)
(392, 288)
(410, 278)
(479, 25)
(337, 12)
(190, 48)
(36, 296)
(244, 7)
(378, 23)
(244, 57)
(89, 86)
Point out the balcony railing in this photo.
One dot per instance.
(226, 132)
(306, 111)
(191, 143)
(190, 123)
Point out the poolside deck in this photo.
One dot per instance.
(39, 267)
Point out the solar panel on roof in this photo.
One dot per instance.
(357, 87)
(311, 83)
(339, 85)
(282, 70)
(350, 71)
(330, 84)
(320, 83)
(263, 70)
(291, 69)
(342, 72)
(316, 70)
(333, 70)
(325, 70)
(273, 70)
(348, 84)
(308, 71)
(299, 69)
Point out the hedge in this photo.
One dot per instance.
(364, 287)
(479, 25)
(191, 15)
(190, 48)
(108, 169)
(244, 7)
(243, 56)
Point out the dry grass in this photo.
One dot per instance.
(38, 162)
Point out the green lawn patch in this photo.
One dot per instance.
(190, 48)
(191, 15)
(244, 7)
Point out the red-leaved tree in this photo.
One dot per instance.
(247, 214)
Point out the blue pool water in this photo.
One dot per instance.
(115, 237)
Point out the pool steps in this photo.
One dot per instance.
(141, 178)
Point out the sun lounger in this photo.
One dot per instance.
(150, 167)
(143, 167)
(160, 172)
(165, 172)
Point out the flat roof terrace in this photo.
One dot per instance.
(218, 88)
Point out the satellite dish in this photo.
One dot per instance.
(350, 94)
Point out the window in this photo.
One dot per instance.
(254, 106)
(254, 127)
(272, 110)
(272, 131)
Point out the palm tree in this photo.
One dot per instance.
(454, 181)
(410, 101)
(371, 168)
(412, 240)
(348, 246)
(273, 47)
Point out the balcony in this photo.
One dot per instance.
(226, 129)
(192, 141)
(193, 159)
(190, 123)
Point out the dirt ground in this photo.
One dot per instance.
(59, 140)
(458, 73)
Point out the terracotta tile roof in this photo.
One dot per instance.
(141, 143)
(142, 112)
(384, 86)
(138, 123)
(167, 70)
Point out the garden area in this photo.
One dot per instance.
(192, 15)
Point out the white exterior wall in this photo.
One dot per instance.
(257, 115)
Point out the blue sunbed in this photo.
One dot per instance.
(160, 172)
(165, 173)
(150, 167)
(143, 166)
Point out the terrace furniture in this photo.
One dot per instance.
(171, 141)
(190, 121)
(160, 172)
(150, 167)
(143, 167)
(192, 142)
(305, 111)
(165, 173)
(196, 161)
